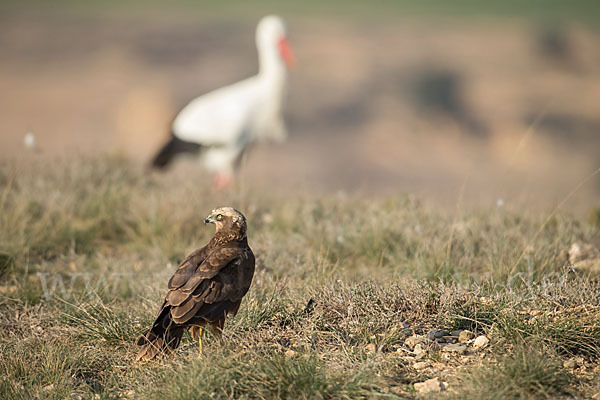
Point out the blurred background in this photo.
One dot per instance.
(487, 102)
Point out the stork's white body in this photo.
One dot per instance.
(227, 120)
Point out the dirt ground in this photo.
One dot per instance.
(457, 111)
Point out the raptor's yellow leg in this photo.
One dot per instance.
(201, 331)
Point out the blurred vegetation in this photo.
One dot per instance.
(543, 10)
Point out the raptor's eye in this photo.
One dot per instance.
(219, 217)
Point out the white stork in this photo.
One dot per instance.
(222, 123)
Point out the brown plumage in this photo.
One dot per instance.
(207, 286)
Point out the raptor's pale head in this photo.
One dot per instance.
(228, 219)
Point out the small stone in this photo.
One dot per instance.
(419, 330)
(481, 342)
(465, 336)
(435, 346)
(455, 348)
(437, 334)
(419, 349)
(573, 362)
(396, 390)
(406, 329)
(449, 339)
(584, 256)
(371, 348)
(413, 340)
(290, 353)
(267, 219)
(8, 289)
(420, 365)
(430, 385)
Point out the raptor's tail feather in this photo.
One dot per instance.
(163, 337)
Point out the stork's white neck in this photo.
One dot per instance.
(271, 66)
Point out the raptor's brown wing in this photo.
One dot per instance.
(187, 268)
(211, 288)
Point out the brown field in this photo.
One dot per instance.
(378, 106)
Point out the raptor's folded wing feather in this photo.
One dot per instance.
(224, 276)
(187, 268)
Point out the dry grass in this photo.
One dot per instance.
(529, 372)
(377, 272)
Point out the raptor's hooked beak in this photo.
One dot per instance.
(209, 220)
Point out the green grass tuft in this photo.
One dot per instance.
(528, 373)
(269, 377)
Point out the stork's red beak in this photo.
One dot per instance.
(286, 52)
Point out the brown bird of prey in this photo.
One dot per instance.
(207, 286)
